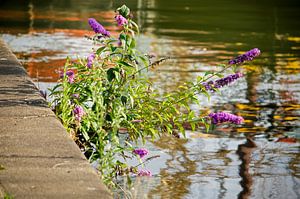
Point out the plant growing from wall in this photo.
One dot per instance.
(106, 102)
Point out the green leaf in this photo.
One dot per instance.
(8, 196)
(206, 94)
(124, 100)
(131, 100)
(85, 134)
(88, 124)
(113, 48)
(193, 126)
(199, 79)
(122, 36)
(152, 131)
(180, 127)
(100, 50)
(135, 25)
(129, 181)
(159, 117)
(110, 74)
(145, 60)
(207, 126)
(55, 87)
(124, 11)
(95, 125)
(128, 41)
(210, 127)
(191, 115)
(219, 75)
(125, 63)
(132, 44)
(169, 128)
(208, 73)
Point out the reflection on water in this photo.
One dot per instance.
(175, 180)
(259, 159)
(244, 152)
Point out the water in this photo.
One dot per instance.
(259, 159)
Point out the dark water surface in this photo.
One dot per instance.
(258, 159)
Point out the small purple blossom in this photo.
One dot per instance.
(144, 172)
(212, 85)
(221, 117)
(248, 56)
(75, 95)
(121, 20)
(141, 152)
(98, 28)
(71, 76)
(78, 112)
(90, 60)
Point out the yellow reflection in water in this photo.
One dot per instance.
(251, 130)
(295, 39)
(247, 107)
(203, 135)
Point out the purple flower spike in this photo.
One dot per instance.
(144, 173)
(78, 112)
(141, 152)
(248, 56)
(221, 117)
(71, 76)
(90, 60)
(212, 85)
(98, 28)
(121, 20)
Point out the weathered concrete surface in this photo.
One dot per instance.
(38, 159)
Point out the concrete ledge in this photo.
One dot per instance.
(38, 159)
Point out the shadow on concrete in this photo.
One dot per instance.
(11, 68)
(24, 93)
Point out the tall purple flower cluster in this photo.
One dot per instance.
(121, 20)
(78, 112)
(90, 60)
(248, 56)
(211, 85)
(71, 76)
(141, 152)
(221, 117)
(98, 28)
(144, 173)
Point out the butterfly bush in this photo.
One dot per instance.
(121, 20)
(71, 75)
(221, 117)
(248, 56)
(108, 105)
(78, 112)
(212, 85)
(98, 28)
(90, 60)
(141, 152)
(144, 172)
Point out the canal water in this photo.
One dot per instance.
(259, 159)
